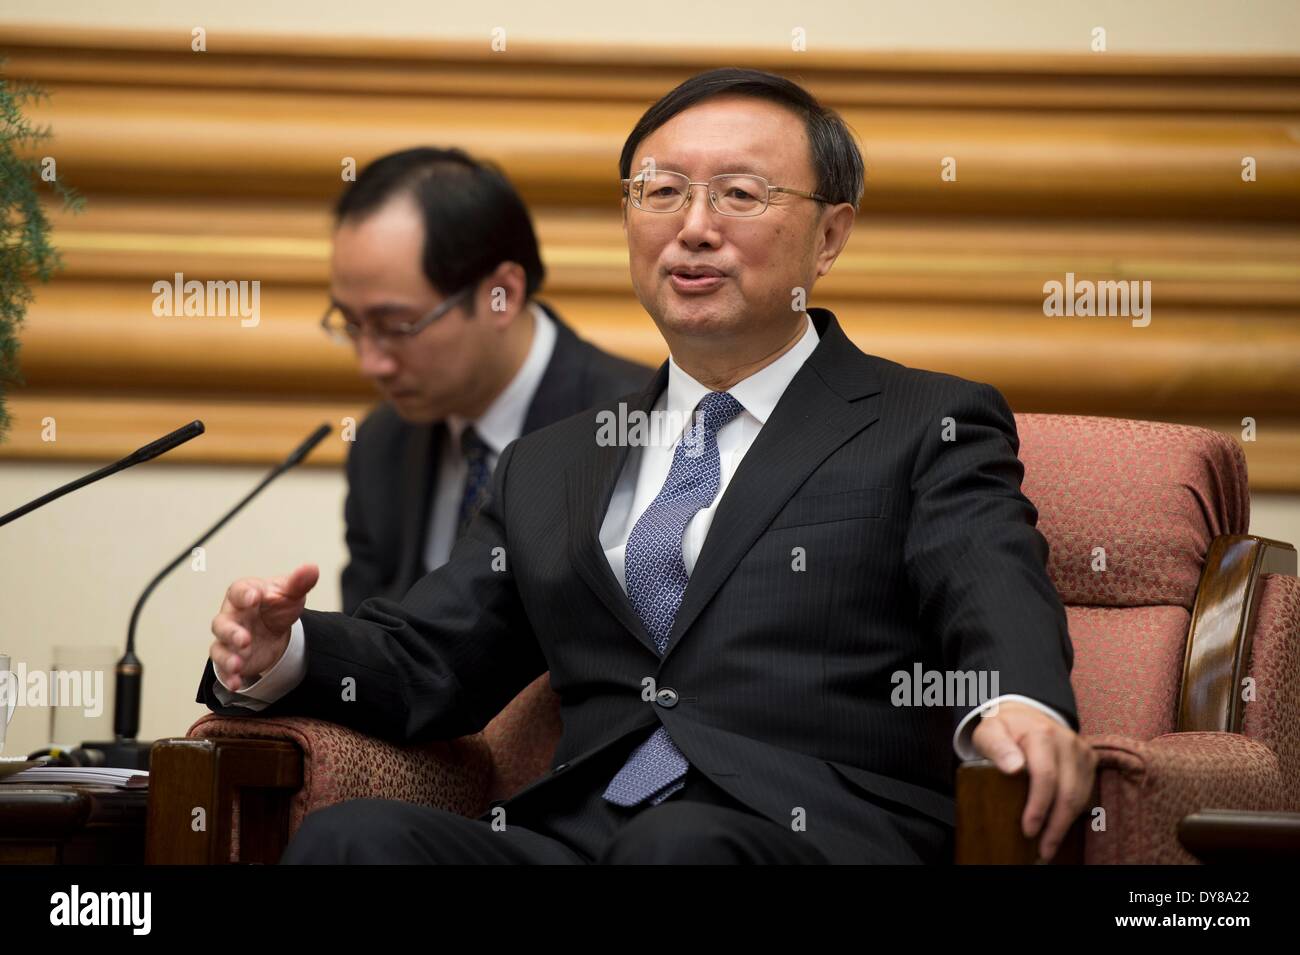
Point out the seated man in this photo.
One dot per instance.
(432, 280)
(724, 611)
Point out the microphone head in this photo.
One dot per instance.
(306, 448)
(167, 442)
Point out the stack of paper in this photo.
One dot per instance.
(23, 771)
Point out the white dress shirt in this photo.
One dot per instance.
(639, 483)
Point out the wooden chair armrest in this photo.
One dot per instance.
(192, 788)
(1222, 630)
(989, 806)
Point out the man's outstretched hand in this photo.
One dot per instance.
(254, 624)
(1061, 767)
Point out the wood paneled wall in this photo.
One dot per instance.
(222, 164)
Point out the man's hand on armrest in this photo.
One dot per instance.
(961, 739)
(1061, 766)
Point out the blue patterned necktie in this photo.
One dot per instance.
(656, 580)
(478, 478)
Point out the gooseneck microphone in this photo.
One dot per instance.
(138, 456)
(125, 751)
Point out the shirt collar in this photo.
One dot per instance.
(503, 421)
(758, 393)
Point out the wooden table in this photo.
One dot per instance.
(72, 824)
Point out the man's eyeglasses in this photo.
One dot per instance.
(388, 335)
(731, 194)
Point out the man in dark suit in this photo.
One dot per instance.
(729, 575)
(433, 232)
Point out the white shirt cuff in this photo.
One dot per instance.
(961, 739)
(284, 675)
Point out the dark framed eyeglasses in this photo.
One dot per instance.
(388, 335)
(731, 194)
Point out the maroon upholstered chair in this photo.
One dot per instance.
(1186, 672)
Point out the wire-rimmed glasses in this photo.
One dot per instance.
(389, 335)
(730, 194)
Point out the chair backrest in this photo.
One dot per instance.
(1129, 509)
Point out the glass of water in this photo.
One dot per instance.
(81, 694)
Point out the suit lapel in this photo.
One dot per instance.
(820, 410)
(591, 484)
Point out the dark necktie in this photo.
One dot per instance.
(478, 478)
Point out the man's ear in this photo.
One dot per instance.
(500, 307)
(833, 229)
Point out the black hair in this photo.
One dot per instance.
(836, 158)
(473, 218)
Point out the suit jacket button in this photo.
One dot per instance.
(666, 697)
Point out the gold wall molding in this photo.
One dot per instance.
(221, 165)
